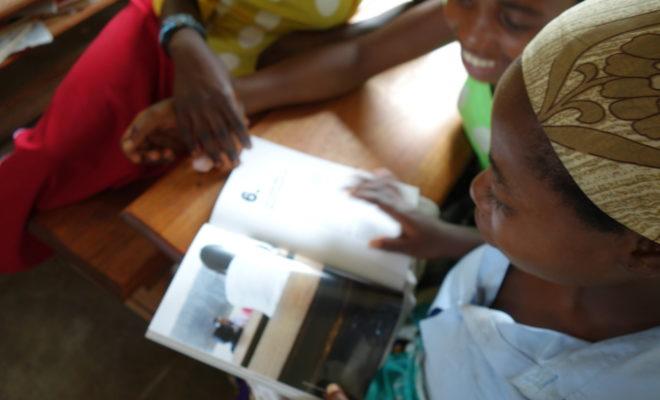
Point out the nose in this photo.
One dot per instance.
(479, 190)
(476, 33)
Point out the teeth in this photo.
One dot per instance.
(477, 61)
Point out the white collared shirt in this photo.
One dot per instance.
(474, 352)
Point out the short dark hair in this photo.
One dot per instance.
(546, 166)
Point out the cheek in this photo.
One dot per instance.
(530, 249)
(484, 213)
(512, 46)
(509, 47)
(454, 16)
(473, 26)
(548, 249)
(505, 231)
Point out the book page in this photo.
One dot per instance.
(297, 201)
(304, 326)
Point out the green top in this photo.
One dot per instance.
(475, 105)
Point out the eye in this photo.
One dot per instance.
(497, 203)
(512, 23)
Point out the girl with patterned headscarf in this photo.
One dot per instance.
(564, 300)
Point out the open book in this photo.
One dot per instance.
(280, 287)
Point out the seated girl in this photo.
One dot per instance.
(563, 301)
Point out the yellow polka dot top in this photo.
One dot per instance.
(239, 30)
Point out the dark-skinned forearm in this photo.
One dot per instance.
(458, 240)
(338, 68)
(301, 79)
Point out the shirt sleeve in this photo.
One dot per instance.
(206, 8)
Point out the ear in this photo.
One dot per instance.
(645, 258)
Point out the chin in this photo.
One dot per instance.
(483, 75)
(554, 272)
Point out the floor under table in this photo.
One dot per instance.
(63, 338)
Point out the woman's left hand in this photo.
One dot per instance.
(153, 137)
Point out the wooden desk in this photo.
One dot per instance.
(404, 119)
(92, 237)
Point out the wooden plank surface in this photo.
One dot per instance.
(145, 300)
(93, 237)
(29, 82)
(171, 212)
(9, 7)
(404, 119)
(61, 23)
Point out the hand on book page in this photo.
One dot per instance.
(300, 202)
(422, 235)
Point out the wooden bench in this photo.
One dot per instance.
(30, 79)
(94, 239)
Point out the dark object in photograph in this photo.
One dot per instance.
(216, 258)
(227, 331)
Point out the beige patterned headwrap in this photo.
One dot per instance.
(593, 79)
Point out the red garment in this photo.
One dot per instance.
(73, 152)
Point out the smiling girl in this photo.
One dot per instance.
(492, 33)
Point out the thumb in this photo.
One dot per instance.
(397, 245)
(157, 117)
(334, 392)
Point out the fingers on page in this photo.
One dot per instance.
(384, 173)
(399, 245)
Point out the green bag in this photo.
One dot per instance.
(475, 105)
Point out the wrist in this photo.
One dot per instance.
(457, 240)
(184, 43)
(181, 26)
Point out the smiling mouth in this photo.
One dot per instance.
(477, 61)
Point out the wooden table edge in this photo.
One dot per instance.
(166, 247)
(75, 261)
